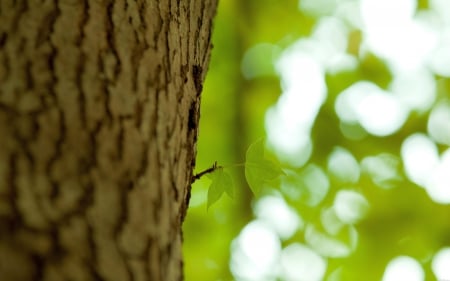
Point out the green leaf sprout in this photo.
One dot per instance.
(258, 169)
(221, 182)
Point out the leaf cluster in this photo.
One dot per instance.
(258, 172)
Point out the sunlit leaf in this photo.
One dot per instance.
(258, 169)
(221, 182)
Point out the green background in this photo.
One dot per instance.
(401, 219)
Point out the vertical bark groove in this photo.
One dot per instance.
(99, 105)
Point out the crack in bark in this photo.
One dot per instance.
(16, 218)
(93, 251)
(81, 62)
(110, 36)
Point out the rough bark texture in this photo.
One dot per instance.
(99, 105)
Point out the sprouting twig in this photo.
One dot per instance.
(207, 171)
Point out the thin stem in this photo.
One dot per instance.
(207, 171)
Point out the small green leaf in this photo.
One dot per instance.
(221, 182)
(258, 169)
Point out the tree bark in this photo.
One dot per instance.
(99, 108)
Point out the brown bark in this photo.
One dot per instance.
(99, 105)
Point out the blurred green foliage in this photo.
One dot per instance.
(397, 218)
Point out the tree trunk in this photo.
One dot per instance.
(99, 107)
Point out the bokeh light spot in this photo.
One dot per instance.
(276, 213)
(350, 206)
(415, 89)
(343, 166)
(383, 169)
(440, 60)
(438, 185)
(393, 34)
(255, 252)
(329, 246)
(317, 7)
(330, 221)
(386, 12)
(441, 264)
(380, 113)
(289, 122)
(420, 158)
(404, 268)
(316, 183)
(330, 40)
(309, 186)
(442, 8)
(439, 123)
(301, 263)
(348, 100)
